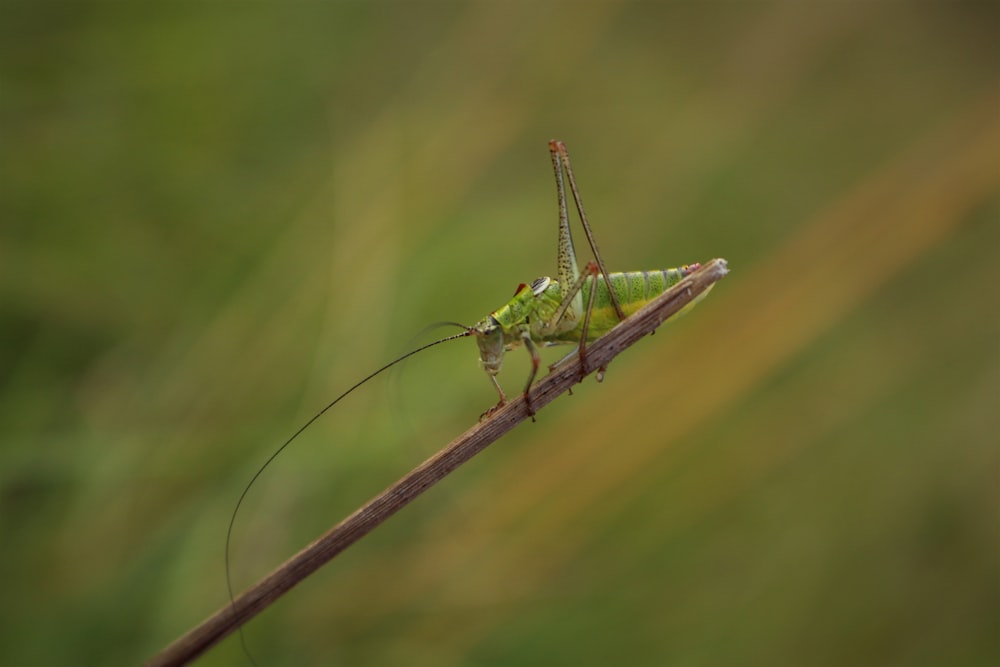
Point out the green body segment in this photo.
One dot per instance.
(634, 290)
(534, 308)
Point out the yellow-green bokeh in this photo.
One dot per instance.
(217, 216)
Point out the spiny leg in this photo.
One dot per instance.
(503, 399)
(535, 360)
(558, 150)
(590, 273)
(571, 295)
(567, 271)
(582, 349)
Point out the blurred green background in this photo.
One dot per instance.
(217, 216)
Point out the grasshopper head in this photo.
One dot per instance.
(489, 335)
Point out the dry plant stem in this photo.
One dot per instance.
(357, 525)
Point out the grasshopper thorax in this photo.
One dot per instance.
(504, 328)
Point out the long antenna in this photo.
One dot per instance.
(370, 515)
(232, 519)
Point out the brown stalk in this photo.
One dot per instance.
(562, 377)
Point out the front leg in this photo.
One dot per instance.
(503, 399)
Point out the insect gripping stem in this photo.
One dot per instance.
(395, 497)
(577, 308)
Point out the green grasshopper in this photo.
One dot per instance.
(552, 312)
(546, 312)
